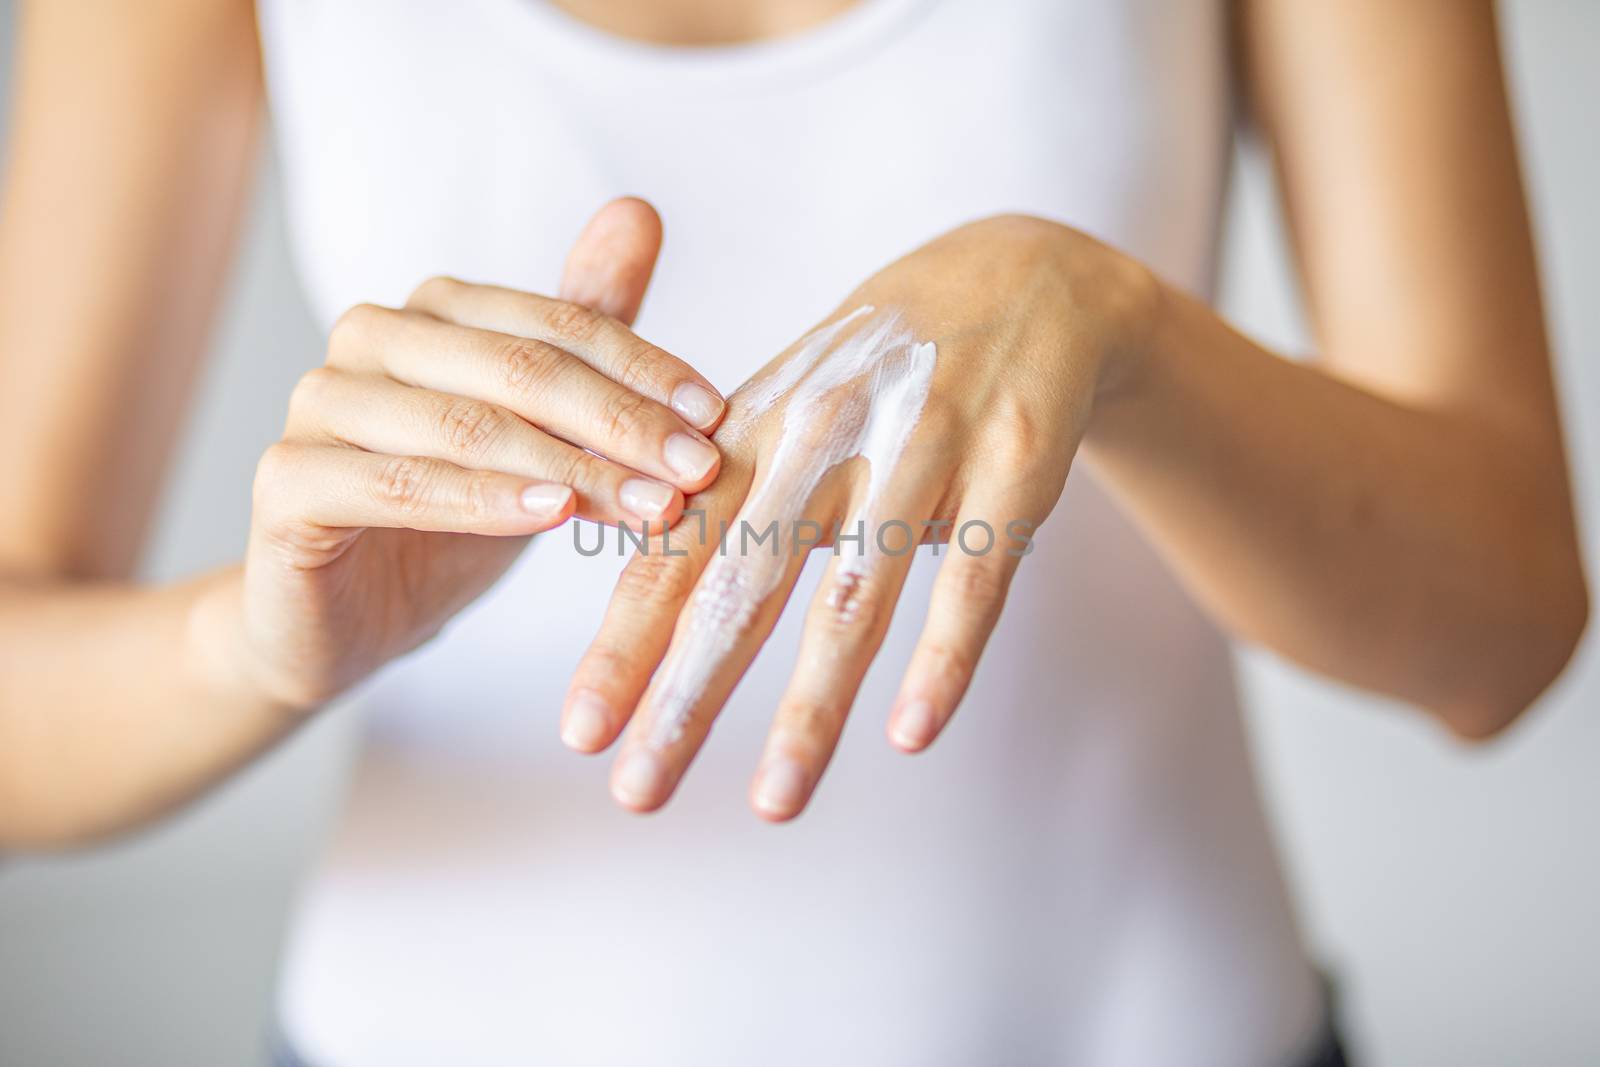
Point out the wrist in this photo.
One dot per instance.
(1107, 304)
(1134, 304)
(218, 650)
(1130, 371)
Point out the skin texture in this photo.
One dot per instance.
(399, 492)
(1009, 399)
(1395, 514)
(426, 448)
(852, 391)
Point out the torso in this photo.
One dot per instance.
(1079, 871)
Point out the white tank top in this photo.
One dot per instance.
(1078, 872)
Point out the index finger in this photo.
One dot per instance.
(734, 607)
(638, 625)
(592, 336)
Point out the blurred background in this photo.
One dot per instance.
(1455, 892)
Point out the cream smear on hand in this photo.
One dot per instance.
(855, 387)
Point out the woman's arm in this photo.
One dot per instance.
(133, 139)
(413, 467)
(1396, 514)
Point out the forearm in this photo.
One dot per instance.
(1427, 554)
(118, 703)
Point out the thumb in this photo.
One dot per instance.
(609, 267)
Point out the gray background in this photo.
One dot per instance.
(1455, 891)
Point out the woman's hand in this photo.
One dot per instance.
(964, 376)
(438, 436)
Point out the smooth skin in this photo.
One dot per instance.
(1077, 350)
(1018, 363)
(433, 441)
(414, 464)
(1396, 514)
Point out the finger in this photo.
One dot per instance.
(968, 595)
(299, 484)
(597, 339)
(610, 265)
(650, 594)
(541, 383)
(844, 628)
(383, 416)
(734, 607)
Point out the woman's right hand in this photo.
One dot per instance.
(437, 437)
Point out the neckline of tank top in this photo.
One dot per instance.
(610, 59)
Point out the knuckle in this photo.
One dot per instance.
(809, 719)
(636, 364)
(469, 427)
(300, 542)
(479, 498)
(403, 483)
(602, 666)
(624, 415)
(434, 291)
(525, 367)
(572, 322)
(271, 470)
(575, 468)
(1022, 439)
(356, 328)
(975, 589)
(946, 661)
(855, 602)
(655, 581)
(309, 390)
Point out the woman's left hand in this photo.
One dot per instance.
(965, 376)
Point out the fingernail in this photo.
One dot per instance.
(545, 501)
(645, 499)
(782, 788)
(688, 457)
(914, 726)
(588, 723)
(700, 406)
(640, 780)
